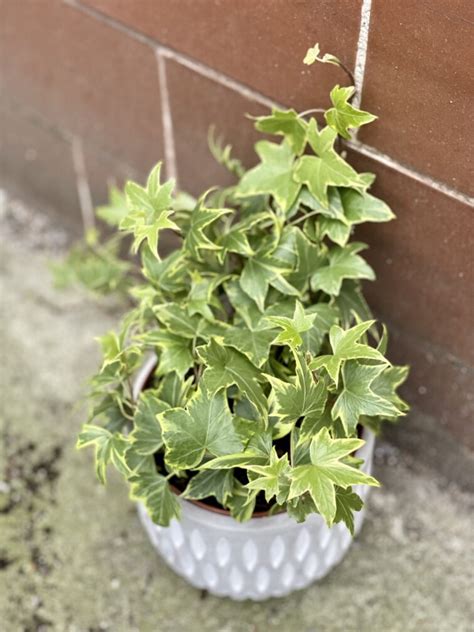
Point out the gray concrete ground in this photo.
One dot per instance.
(73, 556)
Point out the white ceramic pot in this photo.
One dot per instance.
(269, 556)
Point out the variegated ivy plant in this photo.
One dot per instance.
(268, 359)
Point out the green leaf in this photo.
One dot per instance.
(347, 502)
(345, 346)
(286, 123)
(173, 389)
(114, 212)
(312, 55)
(343, 263)
(176, 354)
(337, 231)
(343, 115)
(204, 427)
(301, 398)
(363, 207)
(352, 304)
(254, 342)
(177, 320)
(154, 491)
(357, 397)
(273, 479)
(109, 448)
(325, 169)
(327, 470)
(235, 239)
(273, 175)
(259, 273)
(292, 327)
(146, 435)
(207, 483)
(226, 366)
(386, 384)
(256, 453)
(325, 316)
(242, 502)
(149, 210)
(309, 259)
(201, 217)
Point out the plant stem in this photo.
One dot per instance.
(303, 217)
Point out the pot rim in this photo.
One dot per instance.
(139, 382)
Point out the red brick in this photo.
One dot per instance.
(423, 260)
(84, 76)
(418, 80)
(261, 44)
(36, 164)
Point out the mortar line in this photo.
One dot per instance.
(371, 152)
(361, 57)
(255, 96)
(169, 53)
(82, 182)
(218, 77)
(167, 120)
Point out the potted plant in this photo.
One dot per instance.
(240, 396)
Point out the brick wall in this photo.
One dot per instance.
(95, 91)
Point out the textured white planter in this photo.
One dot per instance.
(268, 556)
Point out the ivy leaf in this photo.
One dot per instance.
(154, 491)
(117, 208)
(301, 507)
(345, 346)
(226, 366)
(325, 316)
(256, 453)
(272, 176)
(337, 231)
(343, 263)
(204, 427)
(286, 123)
(242, 502)
(235, 238)
(109, 448)
(312, 55)
(196, 240)
(325, 169)
(292, 327)
(352, 304)
(254, 342)
(146, 436)
(347, 502)
(343, 115)
(207, 483)
(259, 273)
(357, 397)
(149, 210)
(177, 320)
(138, 463)
(327, 470)
(273, 479)
(309, 259)
(176, 354)
(386, 384)
(334, 209)
(363, 207)
(173, 389)
(304, 397)
(200, 296)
